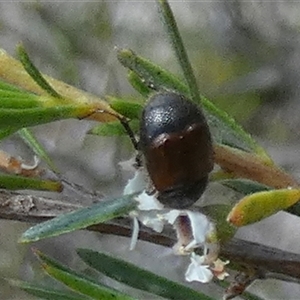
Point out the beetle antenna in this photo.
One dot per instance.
(135, 143)
(124, 121)
(129, 131)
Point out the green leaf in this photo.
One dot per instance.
(114, 128)
(108, 129)
(245, 186)
(258, 206)
(179, 48)
(7, 132)
(138, 278)
(218, 213)
(19, 118)
(138, 84)
(45, 293)
(80, 283)
(14, 97)
(4, 86)
(224, 129)
(128, 109)
(79, 219)
(10, 99)
(34, 73)
(34, 144)
(16, 182)
(150, 74)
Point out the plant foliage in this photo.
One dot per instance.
(32, 99)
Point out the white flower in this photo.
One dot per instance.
(197, 271)
(201, 227)
(171, 216)
(148, 202)
(193, 229)
(136, 184)
(135, 233)
(151, 220)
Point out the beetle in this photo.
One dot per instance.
(177, 147)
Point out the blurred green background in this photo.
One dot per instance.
(246, 56)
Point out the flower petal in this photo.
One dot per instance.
(198, 272)
(151, 221)
(148, 202)
(200, 225)
(136, 184)
(171, 216)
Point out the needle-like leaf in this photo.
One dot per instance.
(138, 278)
(15, 182)
(79, 219)
(45, 293)
(35, 145)
(78, 282)
(35, 73)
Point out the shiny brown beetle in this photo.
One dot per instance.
(176, 143)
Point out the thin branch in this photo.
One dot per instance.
(31, 208)
(34, 209)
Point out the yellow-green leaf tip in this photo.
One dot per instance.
(258, 206)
